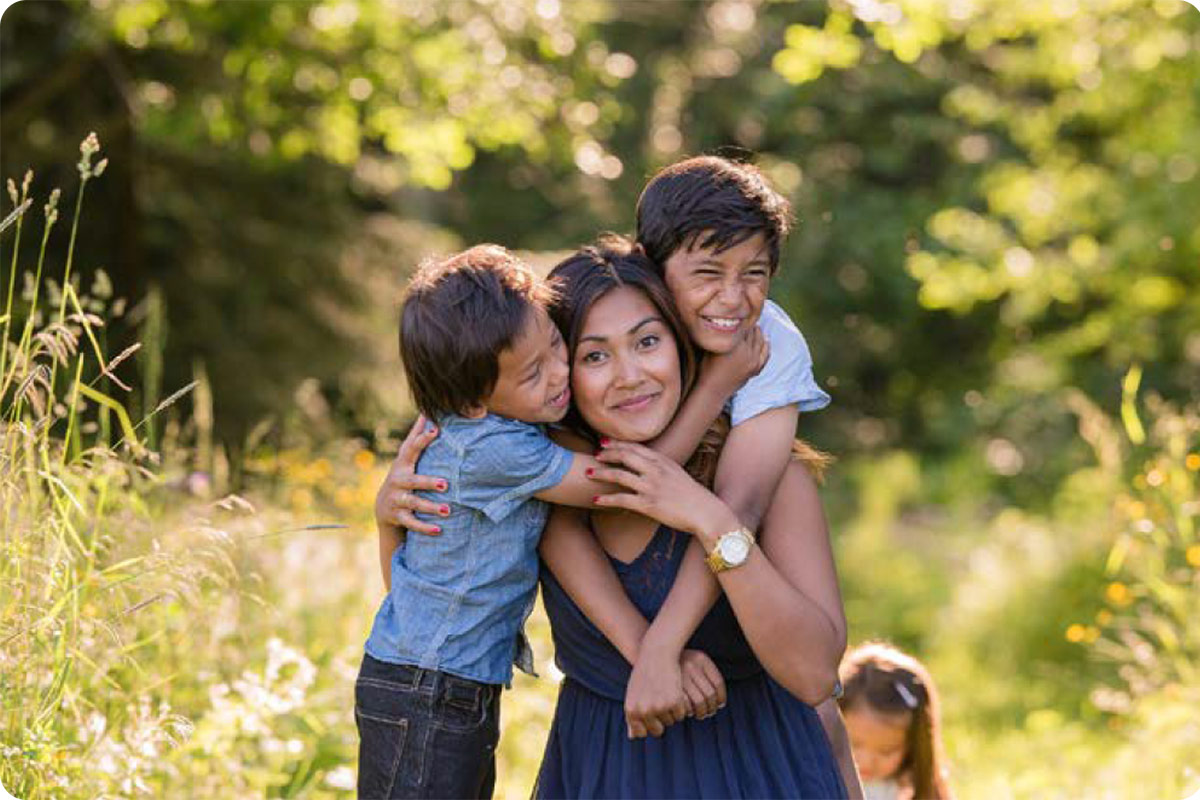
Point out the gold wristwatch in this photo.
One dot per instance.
(731, 550)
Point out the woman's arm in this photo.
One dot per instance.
(395, 501)
(785, 594)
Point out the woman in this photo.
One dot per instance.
(774, 637)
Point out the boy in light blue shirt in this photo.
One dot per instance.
(484, 361)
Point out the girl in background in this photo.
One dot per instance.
(893, 716)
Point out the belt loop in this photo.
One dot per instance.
(417, 675)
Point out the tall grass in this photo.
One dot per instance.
(142, 652)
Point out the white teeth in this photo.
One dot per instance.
(723, 322)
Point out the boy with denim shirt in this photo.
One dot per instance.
(484, 360)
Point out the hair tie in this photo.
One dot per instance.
(906, 695)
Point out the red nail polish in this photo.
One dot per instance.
(596, 499)
(605, 441)
(445, 509)
(441, 486)
(436, 529)
(589, 472)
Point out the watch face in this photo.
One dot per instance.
(734, 549)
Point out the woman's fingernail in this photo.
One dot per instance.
(445, 511)
(436, 529)
(605, 441)
(441, 485)
(595, 499)
(589, 472)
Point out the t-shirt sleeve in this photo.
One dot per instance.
(507, 466)
(787, 379)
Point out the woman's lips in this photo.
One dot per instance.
(637, 403)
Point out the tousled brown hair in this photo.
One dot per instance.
(459, 314)
(893, 683)
(714, 201)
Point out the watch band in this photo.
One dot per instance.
(717, 562)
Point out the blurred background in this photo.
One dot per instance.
(996, 263)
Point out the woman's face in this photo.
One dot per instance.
(625, 369)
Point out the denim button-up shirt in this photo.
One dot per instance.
(459, 600)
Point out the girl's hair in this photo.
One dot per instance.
(893, 683)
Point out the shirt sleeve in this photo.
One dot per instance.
(508, 465)
(787, 379)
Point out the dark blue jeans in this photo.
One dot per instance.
(424, 733)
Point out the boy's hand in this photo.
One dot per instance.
(395, 501)
(702, 682)
(728, 371)
(655, 697)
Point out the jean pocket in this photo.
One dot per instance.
(462, 708)
(380, 749)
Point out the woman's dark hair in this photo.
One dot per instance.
(592, 272)
(723, 202)
(892, 683)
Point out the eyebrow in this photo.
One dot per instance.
(647, 320)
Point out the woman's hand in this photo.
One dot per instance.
(655, 697)
(728, 371)
(395, 501)
(702, 682)
(659, 488)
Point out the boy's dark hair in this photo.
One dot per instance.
(459, 313)
(726, 201)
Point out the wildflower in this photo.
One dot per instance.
(364, 460)
(1118, 594)
(1192, 462)
(12, 192)
(1103, 616)
(1075, 633)
(302, 499)
(1193, 555)
(340, 778)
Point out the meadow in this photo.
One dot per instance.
(164, 637)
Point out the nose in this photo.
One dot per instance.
(731, 294)
(628, 372)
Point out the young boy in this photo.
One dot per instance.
(486, 363)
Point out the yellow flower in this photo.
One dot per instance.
(364, 460)
(1192, 462)
(1154, 477)
(1091, 633)
(343, 497)
(1118, 594)
(1076, 632)
(302, 499)
(1193, 555)
(1103, 616)
(322, 468)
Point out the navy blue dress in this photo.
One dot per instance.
(764, 743)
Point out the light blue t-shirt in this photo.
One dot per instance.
(786, 379)
(459, 600)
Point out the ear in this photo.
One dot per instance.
(475, 412)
